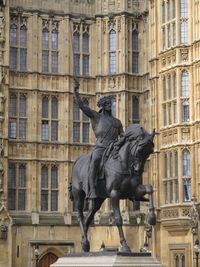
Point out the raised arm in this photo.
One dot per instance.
(85, 108)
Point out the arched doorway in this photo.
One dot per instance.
(47, 259)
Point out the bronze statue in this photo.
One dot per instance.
(106, 129)
(123, 165)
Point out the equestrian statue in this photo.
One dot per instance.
(112, 170)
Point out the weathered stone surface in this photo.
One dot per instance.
(107, 259)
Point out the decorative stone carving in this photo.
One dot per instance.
(169, 213)
(5, 220)
(90, 2)
(184, 54)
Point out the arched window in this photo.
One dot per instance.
(13, 105)
(135, 53)
(177, 261)
(23, 47)
(85, 53)
(112, 51)
(76, 47)
(22, 105)
(54, 51)
(13, 46)
(184, 83)
(183, 261)
(186, 162)
(163, 11)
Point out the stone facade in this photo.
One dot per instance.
(168, 64)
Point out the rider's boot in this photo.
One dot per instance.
(92, 186)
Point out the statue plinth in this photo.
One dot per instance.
(107, 259)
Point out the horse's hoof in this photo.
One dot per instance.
(125, 249)
(151, 219)
(85, 245)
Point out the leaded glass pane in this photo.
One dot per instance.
(23, 36)
(112, 40)
(184, 8)
(184, 32)
(76, 64)
(12, 176)
(45, 61)
(21, 199)
(76, 132)
(13, 58)
(23, 58)
(135, 58)
(164, 88)
(44, 177)
(187, 190)
(54, 178)
(85, 64)
(186, 163)
(22, 176)
(13, 35)
(135, 110)
(45, 130)
(45, 39)
(44, 200)
(13, 128)
(22, 105)
(54, 108)
(168, 36)
(45, 107)
(54, 40)
(54, 200)
(169, 87)
(76, 42)
(13, 105)
(184, 83)
(112, 62)
(174, 85)
(54, 130)
(76, 112)
(134, 40)
(22, 129)
(185, 111)
(11, 199)
(165, 165)
(54, 62)
(85, 43)
(86, 132)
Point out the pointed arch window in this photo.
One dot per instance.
(85, 51)
(135, 52)
(18, 43)
(76, 44)
(112, 51)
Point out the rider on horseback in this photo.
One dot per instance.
(106, 128)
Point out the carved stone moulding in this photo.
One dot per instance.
(184, 54)
(176, 227)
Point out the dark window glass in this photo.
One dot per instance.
(85, 43)
(135, 110)
(45, 39)
(44, 177)
(76, 132)
(86, 132)
(54, 108)
(45, 107)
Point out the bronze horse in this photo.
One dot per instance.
(122, 170)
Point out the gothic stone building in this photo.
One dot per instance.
(146, 55)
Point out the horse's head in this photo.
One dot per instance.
(141, 146)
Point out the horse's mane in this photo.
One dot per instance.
(134, 130)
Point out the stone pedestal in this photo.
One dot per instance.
(107, 259)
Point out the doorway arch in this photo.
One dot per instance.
(47, 260)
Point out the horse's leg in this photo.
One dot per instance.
(96, 204)
(79, 197)
(151, 217)
(114, 197)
